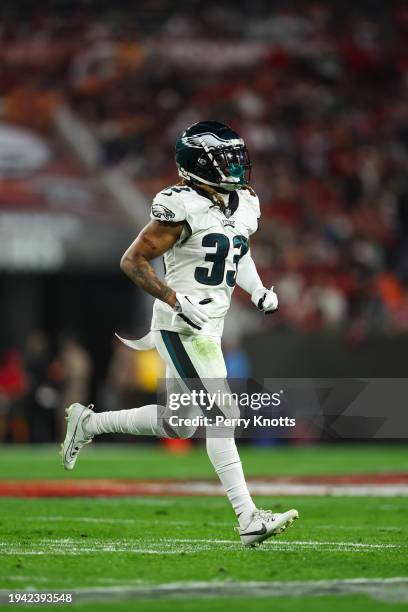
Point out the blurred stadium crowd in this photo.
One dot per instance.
(319, 91)
(38, 382)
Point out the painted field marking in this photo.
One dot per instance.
(391, 486)
(383, 589)
(176, 546)
(136, 521)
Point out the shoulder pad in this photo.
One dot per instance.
(169, 205)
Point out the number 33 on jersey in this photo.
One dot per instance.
(204, 262)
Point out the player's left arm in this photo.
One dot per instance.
(249, 280)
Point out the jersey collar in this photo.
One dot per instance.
(230, 198)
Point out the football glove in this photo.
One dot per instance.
(265, 299)
(190, 310)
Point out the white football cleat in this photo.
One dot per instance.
(76, 437)
(265, 524)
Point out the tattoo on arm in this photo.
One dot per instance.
(142, 274)
(154, 240)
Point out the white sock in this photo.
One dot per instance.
(224, 456)
(222, 452)
(142, 421)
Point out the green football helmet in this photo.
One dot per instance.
(212, 153)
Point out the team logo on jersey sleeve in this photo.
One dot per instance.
(162, 212)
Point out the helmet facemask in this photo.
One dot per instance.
(231, 163)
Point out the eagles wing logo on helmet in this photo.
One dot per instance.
(191, 141)
(160, 211)
(211, 140)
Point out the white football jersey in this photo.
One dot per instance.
(203, 263)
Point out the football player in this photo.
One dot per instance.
(202, 227)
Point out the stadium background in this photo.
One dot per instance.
(92, 97)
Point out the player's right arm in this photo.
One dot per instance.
(154, 240)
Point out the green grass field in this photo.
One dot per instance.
(135, 543)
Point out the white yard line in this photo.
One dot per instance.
(384, 589)
(297, 542)
(184, 523)
(176, 546)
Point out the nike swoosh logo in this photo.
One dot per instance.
(260, 532)
(68, 452)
